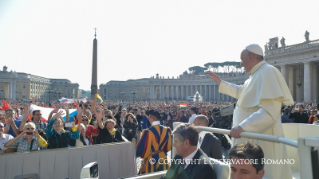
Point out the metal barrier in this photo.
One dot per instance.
(305, 148)
(115, 160)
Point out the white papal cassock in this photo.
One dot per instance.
(258, 110)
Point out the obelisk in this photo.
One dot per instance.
(94, 68)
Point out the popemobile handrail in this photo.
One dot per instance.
(305, 170)
(265, 137)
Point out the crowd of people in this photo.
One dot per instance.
(24, 130)
(108, 121)
(306, 112)
(95, 123)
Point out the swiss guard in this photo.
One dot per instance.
(154, 144)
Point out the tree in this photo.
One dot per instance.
(196, 70)
(214, 66)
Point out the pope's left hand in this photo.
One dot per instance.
(235, 132)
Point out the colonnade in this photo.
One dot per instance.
(182, 92)
(302, 80)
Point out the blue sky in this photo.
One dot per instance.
(137, 39)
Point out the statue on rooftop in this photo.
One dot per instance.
(307, 36)
(266, 47)
(282, 41)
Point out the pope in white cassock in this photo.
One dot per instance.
(258, 107)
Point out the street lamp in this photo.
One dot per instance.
(133, 93)
(122, 95)
(59, 92)
(50, 91)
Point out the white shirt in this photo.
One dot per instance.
(20, 118)
(189, 159)
(155, 123)
(191, 119)
(4, 139)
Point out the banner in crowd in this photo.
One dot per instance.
(183, 105)
(66, 100)
(46, 111)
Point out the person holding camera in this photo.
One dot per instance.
(130, 126)
(13, 125)
(36, 120)
(28, 140)
(299, 114)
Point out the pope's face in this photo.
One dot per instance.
(245, 61)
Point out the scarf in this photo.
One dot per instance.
(112, 132)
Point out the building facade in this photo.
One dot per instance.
(160, 88)
(23, 86)
(299, 65)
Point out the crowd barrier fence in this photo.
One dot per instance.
(115, 160)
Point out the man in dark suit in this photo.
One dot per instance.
(190, 162)
(183, 117)
(207, 141)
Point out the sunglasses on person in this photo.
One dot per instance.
(85, 120)
(29, 128)
(1, 127)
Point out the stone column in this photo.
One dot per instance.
(182, 92)
(314, 82)
(210, 92)
(307, 82)
(14, 86)
(187, 94)
(173, 92)
(192, 90)
(284, 72)
(177, 92)
(10, 90)
(161, 92)
(214, 96)
(291, 81)
(152, 89)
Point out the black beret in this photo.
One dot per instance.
(155, 113)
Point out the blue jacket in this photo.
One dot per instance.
(145, 123)
(285, 118)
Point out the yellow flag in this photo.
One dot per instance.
(98, 97)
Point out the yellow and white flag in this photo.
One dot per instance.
(98, 97)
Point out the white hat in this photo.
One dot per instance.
(256, 49)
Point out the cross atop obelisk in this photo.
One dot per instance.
(95, 33)
(94, 88)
